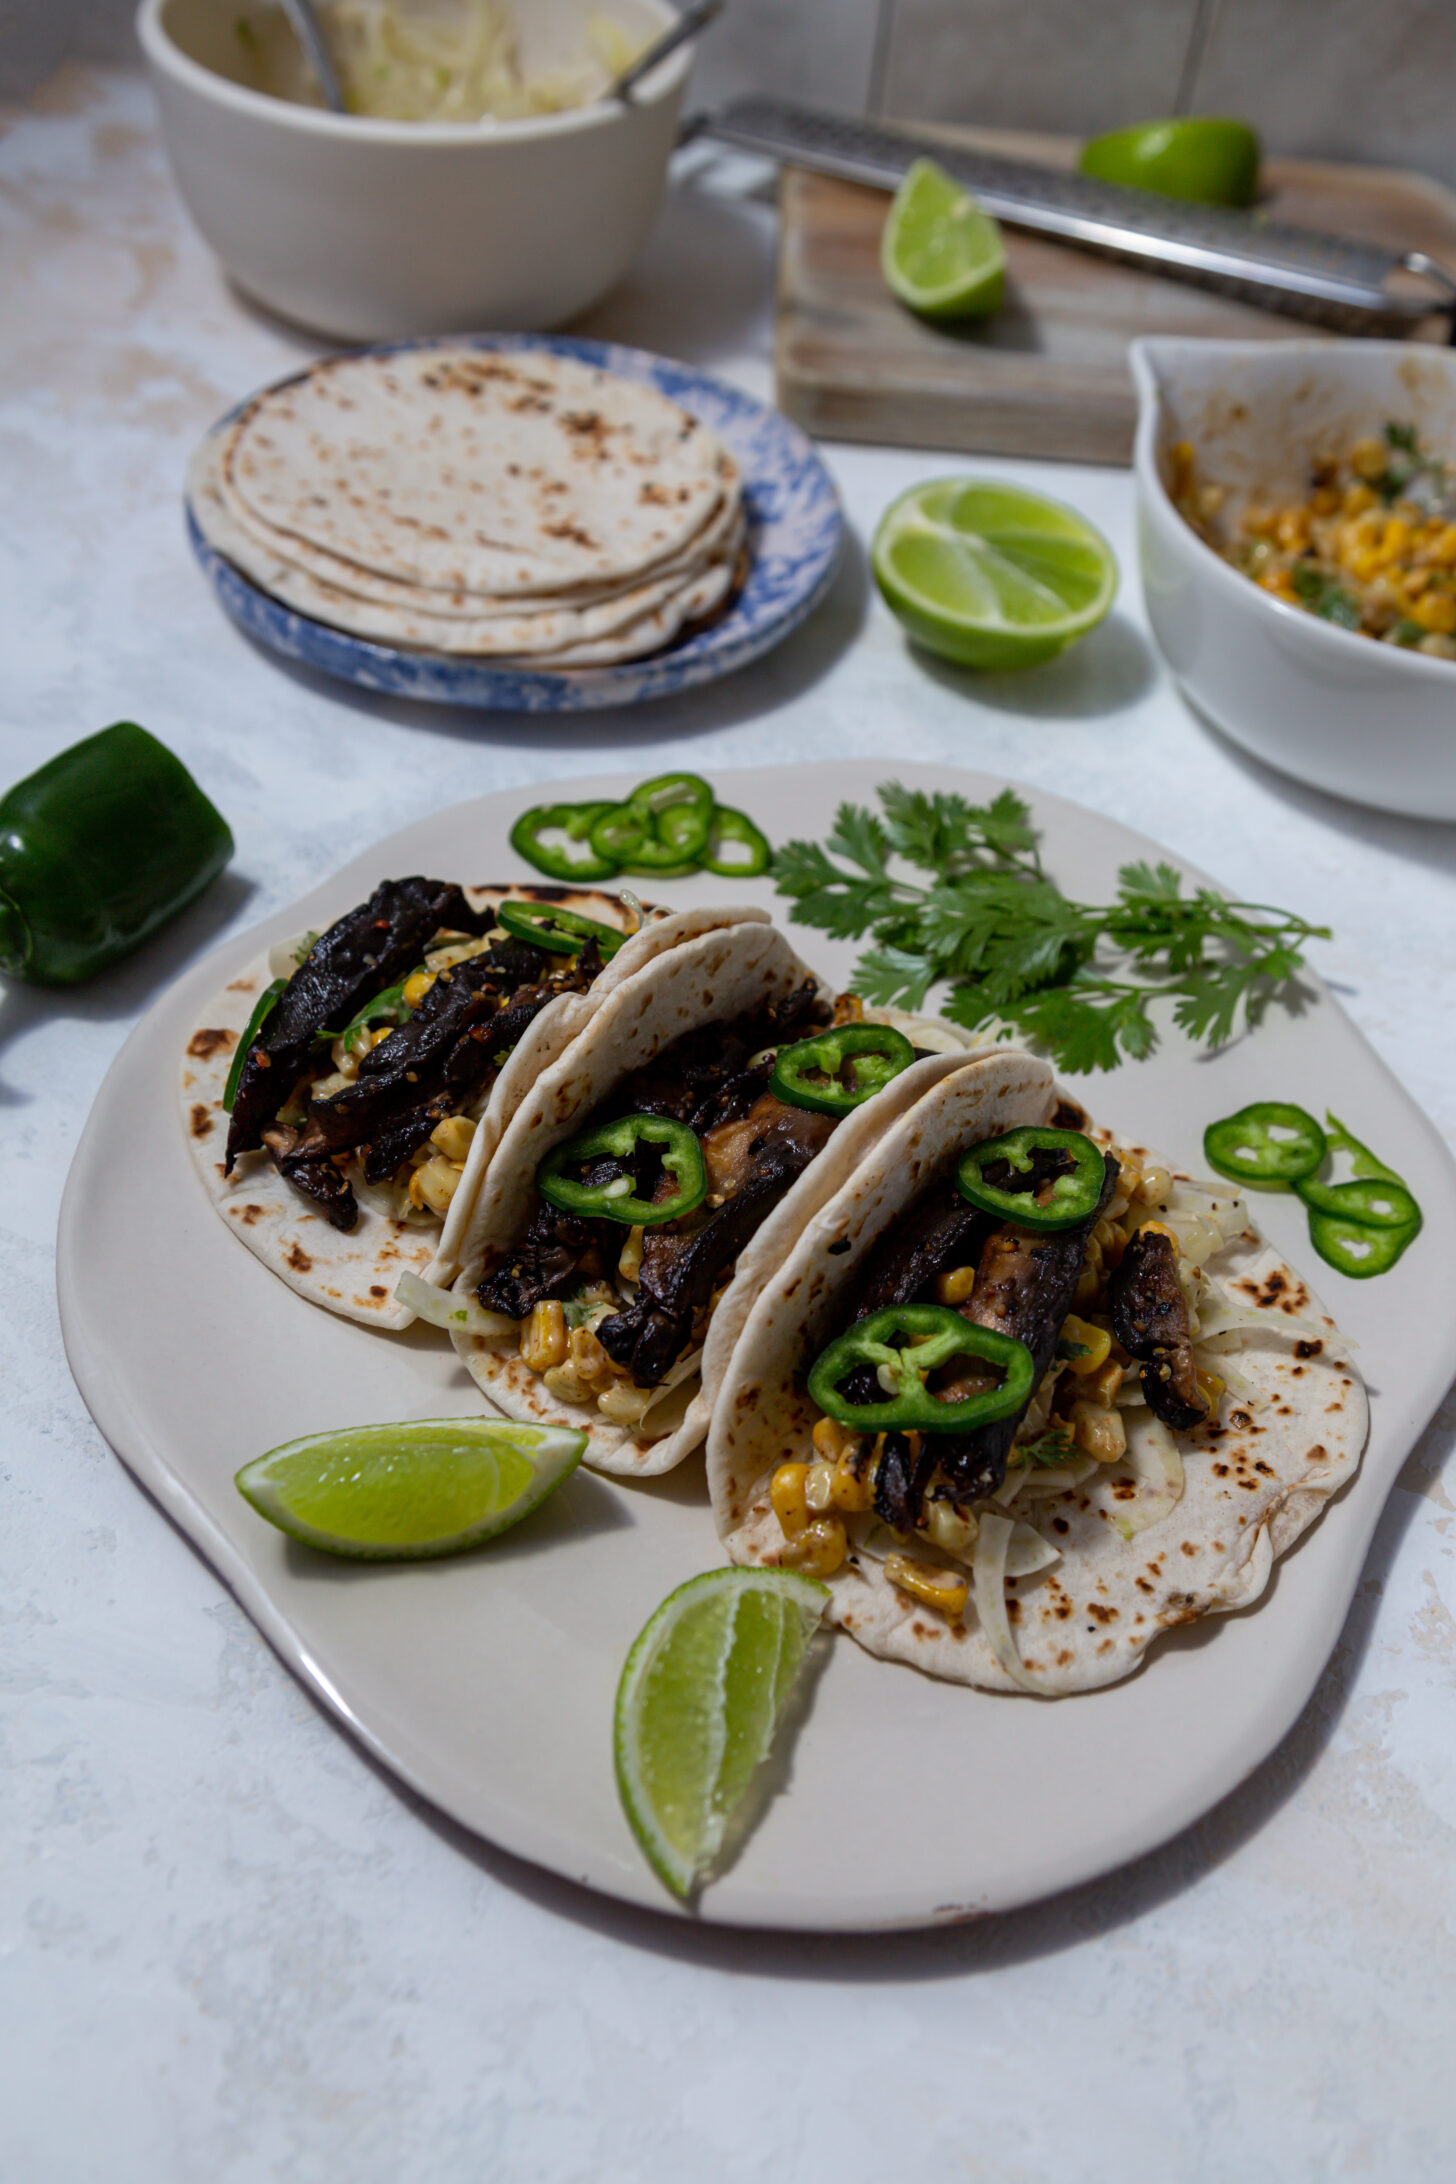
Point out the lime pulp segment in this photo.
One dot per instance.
(431, 1487)
(939, 252)
(990, 575)
(697, 1706)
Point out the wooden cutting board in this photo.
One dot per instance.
(1047, 375)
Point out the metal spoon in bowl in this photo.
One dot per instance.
(689, 23)
(309, 33)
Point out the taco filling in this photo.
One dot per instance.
(999, 1335)
(368, 1066)
(639, 1219)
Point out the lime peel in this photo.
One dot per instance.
(989, 575)
(939, 253)
(700, 1697)
(409, 1492)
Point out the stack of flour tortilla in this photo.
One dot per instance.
(512, 505)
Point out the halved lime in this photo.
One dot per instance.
(1205, 158)
(400, 1493)
(697, 1706)
(939, 252)
(989, 575)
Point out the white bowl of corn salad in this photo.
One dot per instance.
(1297, 530)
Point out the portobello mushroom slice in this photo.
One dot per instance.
(1149, 1314)
(368, 949)
(557, 1251)
(313, 1174)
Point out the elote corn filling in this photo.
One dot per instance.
(1075, 1425)
(1371, 548)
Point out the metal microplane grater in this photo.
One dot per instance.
(1325, 278)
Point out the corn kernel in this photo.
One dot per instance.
(624, 1403)
(1436, 612)
(416, 987)
(1102, 1386)
(434, 1185)
(820, 1548)
(936, 1588)
(848, 1009)
(1155, 1187)
(1094, 1341)
(788, 1494)
(1368, 458)
(1098, 1432)
(565, 1385)
(832, 1440)
(955, 1286)
(854, 1489)
(819, 1488)
(588, 1360)
(950, 1529)
(629, 1265)
(453, 1136)
(1210, 1389)
(1157, 1228)
(543, 1336)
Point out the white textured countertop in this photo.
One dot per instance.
(229, 1947)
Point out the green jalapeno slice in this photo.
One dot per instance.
(838, 1070)
(1369, 1201)
(1269, 1143)
(1075, 1172)
(575, 822)
(933, 1335)
(727, 828)
(1356, 1249)
(615, 1198)
(560, 932)
(263, 1009)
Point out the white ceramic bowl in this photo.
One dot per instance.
(1369, 721)
(367, 229)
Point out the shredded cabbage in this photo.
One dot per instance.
(988, 1584)
(456, 1310)
(433, 60)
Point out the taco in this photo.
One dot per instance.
(1025, 1396)
(653, 1179)
(343, 1095)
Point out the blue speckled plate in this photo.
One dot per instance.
(794, 530)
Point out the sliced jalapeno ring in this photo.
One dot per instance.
(1354, 1248)
(575, 821)
(1370, 1202)
(615, 1199)
(838, 1070)
(1270, 1143)
(680, 808)
(262, 1010)
(559, 931)
(933, 1335)
(727, 827)
(1075, 1172)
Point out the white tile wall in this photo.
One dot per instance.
(1076, 65)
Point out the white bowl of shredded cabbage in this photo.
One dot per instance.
(479, 178)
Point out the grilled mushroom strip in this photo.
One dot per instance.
(1149, 1314)
(313, 1173)
(1025, 1283)
(357, 957)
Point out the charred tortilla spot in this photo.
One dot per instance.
(377, 1289)
(299, 1259)
(200, 1122)
(1316, 1455)
(204, 1044)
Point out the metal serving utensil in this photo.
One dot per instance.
(1329, 279)
(309, 32)
(692, 19)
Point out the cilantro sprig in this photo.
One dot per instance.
(1077, 979)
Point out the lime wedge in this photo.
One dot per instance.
(696, 1708)
(401, 1493)
(1205, 158)
(989, 575)
(939, 252)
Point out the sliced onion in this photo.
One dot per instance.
(1155, 1463)
(456, 1310)
(1027, 1552)
(1046, 1479)
(988, 1582)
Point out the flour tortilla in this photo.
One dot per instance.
(709, 981)
(355, 1274)
(1252, 1484)
(331, 589)
(542, 472)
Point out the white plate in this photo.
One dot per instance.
(487, 1683)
